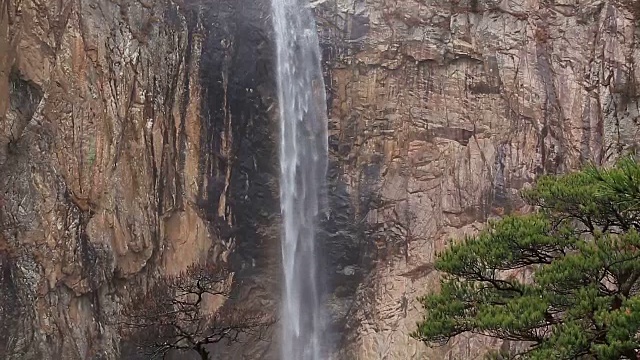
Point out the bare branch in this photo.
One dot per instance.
(172, 314)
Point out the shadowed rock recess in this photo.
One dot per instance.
(138, 137)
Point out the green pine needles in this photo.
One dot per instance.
(581, 299)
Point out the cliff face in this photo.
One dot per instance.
(115, 157)
(99, 136)
(137, 137)
(442, 110)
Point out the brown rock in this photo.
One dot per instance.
(464, 103)
(100, 163)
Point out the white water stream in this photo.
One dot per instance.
(303, 166)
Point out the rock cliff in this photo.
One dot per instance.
(442, 110)
(120, 123)
(99, 151)
(137, 137)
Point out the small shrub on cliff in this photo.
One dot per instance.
(176, 314)
(583, 251)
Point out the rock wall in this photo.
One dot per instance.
(103, 173)
(442, 110)
(136, 138)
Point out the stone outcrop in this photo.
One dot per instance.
(442, 110)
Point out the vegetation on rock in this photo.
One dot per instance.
(182, 313)
(563, 280)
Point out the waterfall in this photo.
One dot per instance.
(303, 167)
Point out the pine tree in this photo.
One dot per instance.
(583, 247)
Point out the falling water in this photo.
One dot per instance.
(303, 165)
